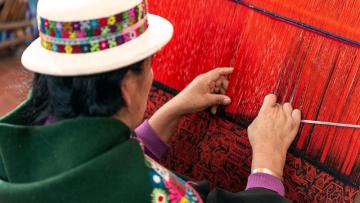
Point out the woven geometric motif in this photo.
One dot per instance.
(218, 150)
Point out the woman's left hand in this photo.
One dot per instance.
(206, 90)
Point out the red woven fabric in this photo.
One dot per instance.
(211, 148)
(315, 72)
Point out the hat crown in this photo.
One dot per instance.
(76, 10)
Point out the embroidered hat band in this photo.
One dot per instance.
(94, 35)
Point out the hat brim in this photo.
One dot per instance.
(38, 59)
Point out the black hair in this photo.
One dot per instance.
(70, 97)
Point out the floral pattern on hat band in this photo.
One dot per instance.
(94, 35)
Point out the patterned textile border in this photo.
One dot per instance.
(96, 34)
(206, 147)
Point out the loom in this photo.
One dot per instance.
(306, 52)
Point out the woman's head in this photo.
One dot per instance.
(62, 91)
(121, 94)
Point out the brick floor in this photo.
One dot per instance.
(14, 83)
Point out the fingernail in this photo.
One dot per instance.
(227, 101)
(213, 111)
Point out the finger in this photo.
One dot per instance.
(288, 109)
(222, 82)
(219, 81)
(269, 101)
(216, 73)
(296, 116)
(222, 91)
(225, 84)
(214, 110)
(219, 99)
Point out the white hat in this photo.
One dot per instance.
(81, 37)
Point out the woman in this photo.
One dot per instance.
(73, 140)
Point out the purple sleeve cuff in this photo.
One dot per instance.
(153, 145)
(263, 180)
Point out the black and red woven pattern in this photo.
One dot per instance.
(213, 148)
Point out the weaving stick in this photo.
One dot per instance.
(331, 124)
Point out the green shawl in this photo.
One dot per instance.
(75, 160)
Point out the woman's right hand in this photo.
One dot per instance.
(272, 133)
